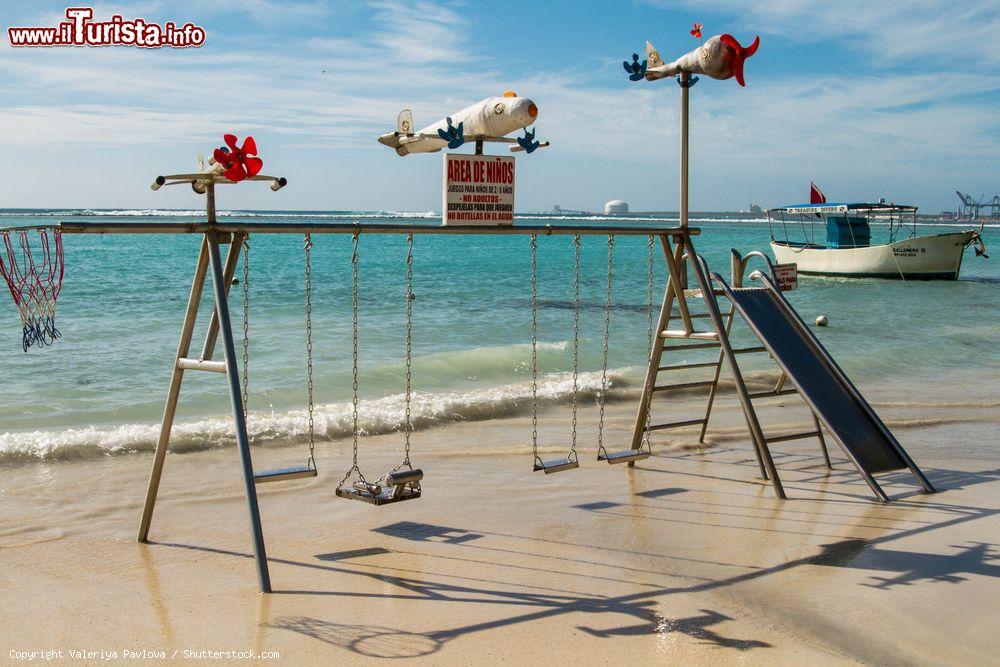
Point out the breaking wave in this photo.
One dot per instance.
(332, 420)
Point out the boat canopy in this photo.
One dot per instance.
(830, 207)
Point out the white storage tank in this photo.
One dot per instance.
(616, 206)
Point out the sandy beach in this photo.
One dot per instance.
(688, 558)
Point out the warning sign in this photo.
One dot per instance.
(478, 190)
(786, 276)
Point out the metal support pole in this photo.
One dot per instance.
(235, 394)
(187, 331)
(232, 259)
(756, 432)
(210, 203)
(822, 440)
(685, 83)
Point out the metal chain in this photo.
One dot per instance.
(246, 328)
(576, 338)
(354, 370)
(410, 296)
(354, 355)
(307, 247)
(534, 345)
(649, 324)
(607, 335)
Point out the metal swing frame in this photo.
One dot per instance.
(211, 266)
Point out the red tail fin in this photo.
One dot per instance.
(816, 195)
(740, 55)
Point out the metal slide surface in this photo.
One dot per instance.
(797, 351)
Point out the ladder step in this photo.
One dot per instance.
(690, 346)
(749, 350)
(200, 365)
(678, 367)
(282, 474)
(697, 292)
(792, 436)
(687, 422)
(773, 394)
(700, 335)
(693, 316)
(683, 385)
(623, 456)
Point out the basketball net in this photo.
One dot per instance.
(34, 277)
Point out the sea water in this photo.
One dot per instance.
(99, 390)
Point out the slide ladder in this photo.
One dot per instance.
(806, 369)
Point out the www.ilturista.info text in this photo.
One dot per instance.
(81, 30)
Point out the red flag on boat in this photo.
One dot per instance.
(816, 195)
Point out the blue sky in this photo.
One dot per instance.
(894, 99)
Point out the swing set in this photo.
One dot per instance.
(761, 307)
(34, 279)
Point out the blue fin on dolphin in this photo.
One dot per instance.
(636, 70)
(455, 135)
(527, 142)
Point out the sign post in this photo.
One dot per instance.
(478, 190)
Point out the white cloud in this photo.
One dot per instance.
(948, 34)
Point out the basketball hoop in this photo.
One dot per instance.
(35, 280)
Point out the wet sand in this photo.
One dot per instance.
(687, 558)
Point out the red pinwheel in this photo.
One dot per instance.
(696, 31)
(237, 160)
(741, 54)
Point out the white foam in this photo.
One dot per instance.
(332, 420)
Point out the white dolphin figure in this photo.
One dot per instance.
(720, 57)
(488, 120)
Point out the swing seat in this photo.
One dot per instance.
(556, 465)
(282, 474)
(395, 487)
(623, 456)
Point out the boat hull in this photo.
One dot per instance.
(937, 257)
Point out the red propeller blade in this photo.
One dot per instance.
(235, 173)
(253, 165)
(222, 157)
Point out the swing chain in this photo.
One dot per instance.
(410, 296)
(354, 370)
(576, 338)
(534, 345)
(607, 333)
(246, 327)
(307, 247)
(649, 323)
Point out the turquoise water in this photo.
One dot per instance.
(100, 388)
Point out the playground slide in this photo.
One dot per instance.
(823, 385)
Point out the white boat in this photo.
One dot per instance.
(848, 251)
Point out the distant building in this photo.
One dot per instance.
(616, 206)
(755, 208)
